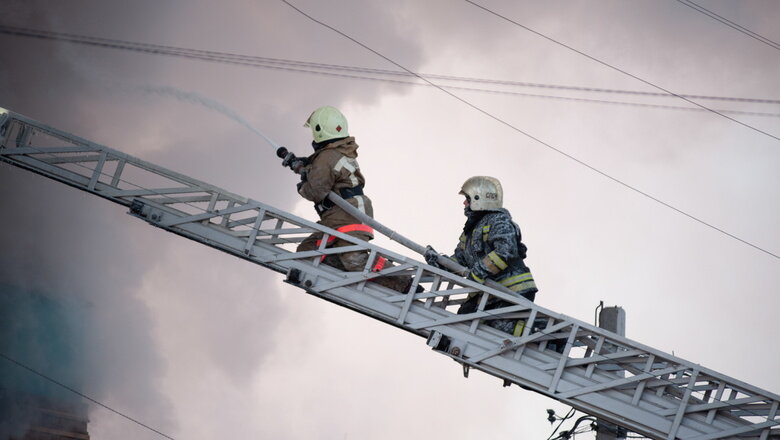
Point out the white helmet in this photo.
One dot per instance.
(327, 123)
(484, 193)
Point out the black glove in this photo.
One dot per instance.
(297, 166)
(292, 161)
(300, 184)
(432, 257)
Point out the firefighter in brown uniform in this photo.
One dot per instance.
(333, 167)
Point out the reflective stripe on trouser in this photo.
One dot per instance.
(348, 261)
(357, 227)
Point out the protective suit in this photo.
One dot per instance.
(491, 248)
(333, 167)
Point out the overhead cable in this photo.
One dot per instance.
(384, 75)
(604, 63)
(60, 384)
(225, 56)
(532, 137)
(729, 23)
(247, 60)
(563, 419)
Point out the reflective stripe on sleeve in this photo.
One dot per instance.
(498, 261)
(490, 265)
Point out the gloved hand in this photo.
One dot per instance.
(297, 166)
(300, 184)
(295, 163)
(431, 256)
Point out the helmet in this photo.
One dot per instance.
(484, 193)
(327, 123)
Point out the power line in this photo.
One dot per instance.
(377, 74)
(563, 419)
(530, 136)
(224, 56)
(729, 23)
(604, 63)
(247, 60)
(30, 369)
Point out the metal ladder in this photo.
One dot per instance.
(593, 370)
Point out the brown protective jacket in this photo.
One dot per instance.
(332, 168)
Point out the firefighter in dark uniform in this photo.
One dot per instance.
(491, 248)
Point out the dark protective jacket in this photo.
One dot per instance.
(334, 167)
(491, 247)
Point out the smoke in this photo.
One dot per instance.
(38, 332)
(69, 306)
(67, 312)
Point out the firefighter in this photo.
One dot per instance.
(491, 248)
(333, 167)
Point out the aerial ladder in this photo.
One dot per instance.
(601, 373)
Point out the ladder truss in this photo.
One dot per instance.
(591, 369)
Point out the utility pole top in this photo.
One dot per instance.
(614, 320)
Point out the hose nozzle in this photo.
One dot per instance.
(290, 160)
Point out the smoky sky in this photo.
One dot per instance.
(200, 344)
(75, 248)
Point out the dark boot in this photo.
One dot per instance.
(399, 284)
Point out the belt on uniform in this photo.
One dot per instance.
(345, 193)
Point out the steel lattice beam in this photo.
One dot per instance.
(601, 373)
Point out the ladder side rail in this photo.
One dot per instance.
(519, 360)
(86, 145)
(445, 274)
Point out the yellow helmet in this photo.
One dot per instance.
(327, 123)
(484, 193)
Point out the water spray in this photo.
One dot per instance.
(210, 104)
(296, 164)
(288, 158)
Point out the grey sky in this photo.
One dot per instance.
(202, 345)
